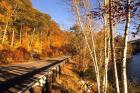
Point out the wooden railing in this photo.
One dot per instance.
(18, 78)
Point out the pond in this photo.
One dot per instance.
(133, 68)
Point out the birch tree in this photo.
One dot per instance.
(31, 40)
(126, 30)
(104, 20)
(20, 36)
(112, 47)
(13, 36)
(106, 50)
(7, 23)
(94, 60)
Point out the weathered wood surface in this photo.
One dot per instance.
(20, 77)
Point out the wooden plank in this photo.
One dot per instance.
(20, 77)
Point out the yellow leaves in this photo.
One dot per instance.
(22, 20)
(2, 18)
(1, 47)
(25, 43)
(36, 44)
(58, 40)
(5, 11)
(56, 44)
(5, 6)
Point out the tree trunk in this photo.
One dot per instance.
(105, 60)
(6, 27)
(40, 38)
(125, 47)
(32, 38)
(93, 49)
(112, 47)
(48, 39)
(20, 41)
(5, 31)
(88, 46)
(96, 63)
(104, 20)
(13, 35)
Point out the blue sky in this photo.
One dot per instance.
(57, 9)
(60, 12)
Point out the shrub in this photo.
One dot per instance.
(21, 54)
(35, 55)
(6, 56)
(48, 52)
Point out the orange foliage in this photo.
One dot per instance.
(21, 54)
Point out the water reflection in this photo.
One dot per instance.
(133, 68)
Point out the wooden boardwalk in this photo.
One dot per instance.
(21, 77)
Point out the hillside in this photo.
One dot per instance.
(26, 32)
(70, 82)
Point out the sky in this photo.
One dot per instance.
(57, 9)
(61, 13)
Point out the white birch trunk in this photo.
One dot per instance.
(32, 38)
(96, 63)
(87, 8)
(13, 35)
(106, 67)
(105, 53)
(105, 60)
(6, 27)
(5, 31)
(20, 34)
(88, 46)
(125, 47)
(94, 52)
(112, 47)
(106, 49)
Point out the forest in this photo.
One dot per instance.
(26, 31)
(27, 34)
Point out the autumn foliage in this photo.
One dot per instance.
(26, 33)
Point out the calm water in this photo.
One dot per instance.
(133, 68)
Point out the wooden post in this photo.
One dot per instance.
(54, 75)
(48, 85)
(59, 70)
(36, 89)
